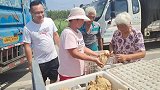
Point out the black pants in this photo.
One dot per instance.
(50, 69)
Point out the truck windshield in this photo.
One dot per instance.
(99, 6)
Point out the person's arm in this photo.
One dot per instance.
(76, 54)
(110, 48)
(100, 39)
(90, 52)
(28, 53)
(100, 43)
(56, 38)
(123, 57)
(137, 55)
(55, 34)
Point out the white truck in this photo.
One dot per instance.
(145, 16)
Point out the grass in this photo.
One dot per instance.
(60, 24)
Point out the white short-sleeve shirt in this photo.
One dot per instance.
(70, 66)
(40, 36)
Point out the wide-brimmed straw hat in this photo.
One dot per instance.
(77, 13)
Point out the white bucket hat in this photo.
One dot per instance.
(77, 13)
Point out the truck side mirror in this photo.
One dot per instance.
(81, 6)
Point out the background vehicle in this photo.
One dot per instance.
(145, 16)
(14, 14)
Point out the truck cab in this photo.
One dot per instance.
(138, 9)
(107, 11)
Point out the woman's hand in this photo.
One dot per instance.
(121, 57)
(99, 63)
(30, 66)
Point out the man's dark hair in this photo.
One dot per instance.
(33, 3)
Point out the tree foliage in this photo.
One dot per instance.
(63, 14)
(59, 18)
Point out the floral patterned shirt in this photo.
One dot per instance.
(129, 45)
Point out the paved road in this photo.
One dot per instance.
(20, 79)
(16, 79)
(153, 51)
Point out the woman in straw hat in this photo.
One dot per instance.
(72, 50)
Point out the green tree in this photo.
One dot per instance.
(59, 17)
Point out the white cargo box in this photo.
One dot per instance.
(142, 75)
(74, 84)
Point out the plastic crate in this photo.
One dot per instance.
(141, 75)
(74, 84)
(91, 67)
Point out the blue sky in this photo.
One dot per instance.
(64, 4)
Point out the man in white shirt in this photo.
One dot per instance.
(39, 35)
